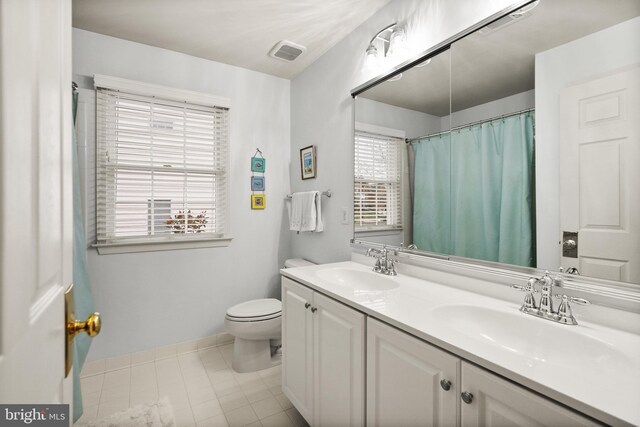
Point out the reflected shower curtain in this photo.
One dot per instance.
(488, 199)
(83, 299)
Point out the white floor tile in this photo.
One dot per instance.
(246, 378)
(92, 383)
(266, 407)
(226, 388)
(284, 401)
(241, 417)
(281, 419)
(201, 395)
(201, 388)
(183, 417)
(233, 401)
(217, 421)
(119, 394)
(91, 398)
(208, 409)
(117, 379)
(276, 390)
(178, 401)
(254, 396)
(223, 375)
(143, 397)
(215, 364)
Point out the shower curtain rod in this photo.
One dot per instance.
(407, 140)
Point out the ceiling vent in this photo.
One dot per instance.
(287, 51)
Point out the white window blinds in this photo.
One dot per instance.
(378, 167)
(162, 168)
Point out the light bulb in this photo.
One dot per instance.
(398, 45)
(371, 59)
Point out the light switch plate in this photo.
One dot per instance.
(345, 215)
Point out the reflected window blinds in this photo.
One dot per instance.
(377, 195)
(162, 168)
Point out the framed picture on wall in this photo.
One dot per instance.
(258, 201)
(258, 164)
(257, 183)
(308, 162)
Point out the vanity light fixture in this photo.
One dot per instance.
(389, 45)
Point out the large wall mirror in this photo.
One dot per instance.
(519, 144)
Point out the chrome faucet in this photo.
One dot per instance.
(384, 264)
(545, 309)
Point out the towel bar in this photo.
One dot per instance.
(324, 193)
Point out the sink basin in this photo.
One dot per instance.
(537, 341)
(358, 279)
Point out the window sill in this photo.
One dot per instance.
(163, 245)
(379, 230)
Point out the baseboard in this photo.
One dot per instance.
(101, 366)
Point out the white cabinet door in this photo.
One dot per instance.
(297, 368)
(338, 354)
(498, 402)
(403, 380)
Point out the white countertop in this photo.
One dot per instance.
(600, 377)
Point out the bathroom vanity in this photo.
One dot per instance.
(361, 348)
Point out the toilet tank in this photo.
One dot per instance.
(297, 262)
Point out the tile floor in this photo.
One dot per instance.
(202, 388)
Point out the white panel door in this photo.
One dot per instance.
(403, 380)
(497, 403)
(599, 174)
(297, 346)
(339, 360)
(35, 198)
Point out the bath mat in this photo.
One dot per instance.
(152, 414)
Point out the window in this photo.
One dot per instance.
(378, 167)
(162, 164)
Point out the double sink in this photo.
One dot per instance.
(591, 367)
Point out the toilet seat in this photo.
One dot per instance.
(255, 310)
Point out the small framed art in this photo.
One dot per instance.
(258, 201)
(257, 183)
(258, 164)
(308, 162)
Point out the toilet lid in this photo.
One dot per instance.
(267, 307)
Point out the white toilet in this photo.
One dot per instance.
(256, 326)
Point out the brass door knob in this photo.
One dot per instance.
(91, 326)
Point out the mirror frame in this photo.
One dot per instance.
(620, 291)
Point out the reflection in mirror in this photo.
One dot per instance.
(386, 116)
(534, 160)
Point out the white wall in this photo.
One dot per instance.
(414, 123)
(556, 69)
(322, 110)
(492, 109)
(157, 298)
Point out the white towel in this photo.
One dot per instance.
(305, 213)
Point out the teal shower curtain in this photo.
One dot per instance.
(475, 189)
(83, 299)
